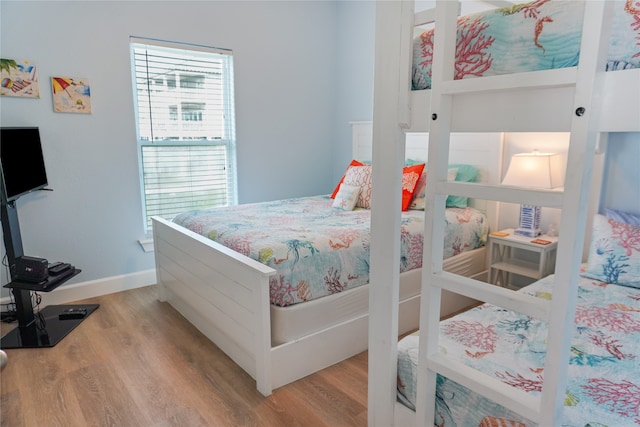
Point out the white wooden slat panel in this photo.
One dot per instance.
(540, 110)
(503, 193)
(440, 114)
(518, 401)
(582, 144)
(228, 270)
(246, 360)
(238, 323)
(621, 114)
(536, 80)
(226, 291)
(296, 359)
(502, 297)
(405, 64)
(425, 17)
(219, 257)
(388, 160)
(404, 416)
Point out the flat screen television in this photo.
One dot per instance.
(22, 161)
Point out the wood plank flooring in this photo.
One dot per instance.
(137, 362)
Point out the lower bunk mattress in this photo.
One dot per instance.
(603, 386)
(318, 250)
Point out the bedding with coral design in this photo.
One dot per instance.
(604, 370)
(539, 35)
(317, 249)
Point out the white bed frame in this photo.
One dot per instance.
(226, 294)
(529, 102)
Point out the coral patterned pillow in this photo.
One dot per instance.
(360, 176)
(353, 163)
(614, 254)
(347, 197)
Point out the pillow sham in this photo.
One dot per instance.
(347, 197)
(361, 176)
(614, 253)
(626, 217)
(419, 201)
(466, 173)
(353, 163)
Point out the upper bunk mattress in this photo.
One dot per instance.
(318, 250)
(539, 35)
(603, 386)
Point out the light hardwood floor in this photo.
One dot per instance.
(136, 362)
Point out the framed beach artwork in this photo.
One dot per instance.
(19, 78)
(71, 95)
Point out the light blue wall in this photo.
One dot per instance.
(355, 55)
(286, 97)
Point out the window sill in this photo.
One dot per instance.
(146, 245)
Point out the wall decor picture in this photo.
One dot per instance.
(19, 78)
(71, 95)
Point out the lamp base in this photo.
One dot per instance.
(527, 232)
(529, 224)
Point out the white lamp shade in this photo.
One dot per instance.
(535, 170)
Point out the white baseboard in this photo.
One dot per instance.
(95, 288)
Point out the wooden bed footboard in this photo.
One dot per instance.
(221, 292)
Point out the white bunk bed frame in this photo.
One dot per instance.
(527, 102)
(226, 294)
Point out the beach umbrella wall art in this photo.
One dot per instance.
(19, 78)
(71, 95)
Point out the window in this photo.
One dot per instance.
(183, 98)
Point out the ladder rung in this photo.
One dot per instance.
(502, 193)
(506, 298)
(559, 77)
(511, 398)
(425, 17)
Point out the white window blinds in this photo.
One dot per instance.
(183, 97)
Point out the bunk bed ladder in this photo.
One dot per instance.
(559, 312)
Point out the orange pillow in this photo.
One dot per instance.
(353, 163)
(410, 177)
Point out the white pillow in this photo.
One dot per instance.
(360, 176)
(346, 197)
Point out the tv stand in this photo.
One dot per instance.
(45, 328)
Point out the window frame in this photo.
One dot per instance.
(176, 114)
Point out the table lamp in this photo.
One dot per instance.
(533, 170)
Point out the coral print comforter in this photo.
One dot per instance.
(539, 35)
(318, 250)
(604, 371)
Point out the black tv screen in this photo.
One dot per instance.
(22, 161)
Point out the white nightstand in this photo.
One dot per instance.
(502, 262)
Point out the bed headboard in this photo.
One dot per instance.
(482, 150)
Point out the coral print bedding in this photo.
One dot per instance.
(614, 254)
(317, 249)
(538, 35)
(604, 370)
